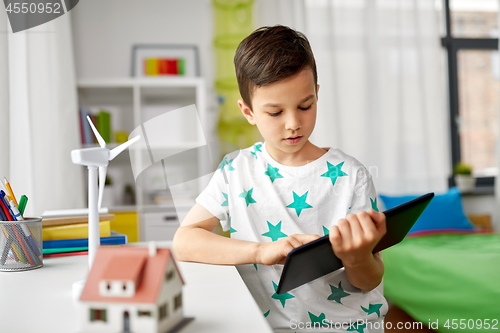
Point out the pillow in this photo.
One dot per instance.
(444, 213)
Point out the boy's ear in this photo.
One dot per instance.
(317, 90)
(247, 112)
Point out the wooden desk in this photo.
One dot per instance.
(41, 301)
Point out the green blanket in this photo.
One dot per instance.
(444, 277)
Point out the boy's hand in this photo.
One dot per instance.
(355, 237)
(275, 252)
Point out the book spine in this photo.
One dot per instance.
(93, 138)
(65, 254)
(81, 242)
(104, 125)
(87, 131)
(82, 133)
(172, 66)
(182, 66)
(73, 231)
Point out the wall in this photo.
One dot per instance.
(105, 31)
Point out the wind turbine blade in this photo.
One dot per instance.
(101, 141)
(116, 151)
(102, 181)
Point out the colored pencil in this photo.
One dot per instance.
(22, 204)
(7, 185)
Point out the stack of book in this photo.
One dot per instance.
(65, 236)
(101, 120)
(164, 66)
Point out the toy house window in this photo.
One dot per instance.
(163, 310)
(144, 313)
(170, 275)
(177, 301)
(98, 314)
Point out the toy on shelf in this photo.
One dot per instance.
(132, 289)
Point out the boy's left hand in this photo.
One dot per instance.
(354, 238)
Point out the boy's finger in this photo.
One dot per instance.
(345, 232)
(368, 225)
(294, 242)
(379, 220)
(304, 239)
(335, 237)
(355, 227)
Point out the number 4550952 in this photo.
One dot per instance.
(471, 324)
(32, 8)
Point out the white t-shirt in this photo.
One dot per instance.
(261, 200)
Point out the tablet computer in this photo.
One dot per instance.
(315, 259)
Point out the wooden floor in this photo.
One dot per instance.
(395, 315)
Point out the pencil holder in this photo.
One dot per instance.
(21, 244)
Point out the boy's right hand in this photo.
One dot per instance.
(273, 253)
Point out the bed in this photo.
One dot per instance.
(444, 275)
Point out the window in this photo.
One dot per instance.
(177, 301)
(471, 41)
(163, 311)
(98, 314)
(170, 275)
(143, 313)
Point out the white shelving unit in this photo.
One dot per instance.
(138, 105)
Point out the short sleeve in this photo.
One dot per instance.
(215, 196)
(365, 195)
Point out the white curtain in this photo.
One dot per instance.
(382, 96)
(38, 116)
(496, 212)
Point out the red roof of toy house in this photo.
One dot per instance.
(128, 263)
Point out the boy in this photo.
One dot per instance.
(285, 192)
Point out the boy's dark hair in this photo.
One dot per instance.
(271, 54)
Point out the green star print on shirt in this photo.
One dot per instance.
(225, 203)
(274, 231)
(283, 297)
(231, 230)
(337, 293)
(248, 196)
(299, 203)
(272, 172)
(372, 308)
(334, 171)
(374, 204)
(257, 148)
(319, 319)
(222, 164)
(230, 165)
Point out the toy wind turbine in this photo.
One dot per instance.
(94, 159)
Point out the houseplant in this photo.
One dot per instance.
(463, 177)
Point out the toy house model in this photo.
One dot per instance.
(132, 289)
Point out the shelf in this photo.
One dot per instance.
(110, 145)
(140, 105)
(140, 82)
(174, 146)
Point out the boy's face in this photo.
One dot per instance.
(282, 110)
